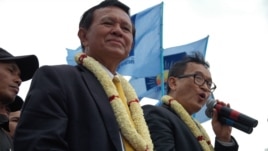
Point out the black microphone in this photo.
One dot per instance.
(224, 111)
(235, 124)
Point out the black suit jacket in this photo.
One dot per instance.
(170, 133)
(66, 109)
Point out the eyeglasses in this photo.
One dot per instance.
(200, 80)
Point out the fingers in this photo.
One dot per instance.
(223, 103)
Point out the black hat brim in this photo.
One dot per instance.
(27, 64)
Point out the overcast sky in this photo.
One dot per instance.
(236, 48)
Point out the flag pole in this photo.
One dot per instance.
(162, 58)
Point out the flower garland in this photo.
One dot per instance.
(196, 128)
(138, 136)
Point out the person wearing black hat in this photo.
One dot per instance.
(13, 71)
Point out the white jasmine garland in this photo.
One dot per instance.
(138, 136)
(196, 128)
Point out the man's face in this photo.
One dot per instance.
(110, 35)
(188, 93)
(9, 82)
(13, 121)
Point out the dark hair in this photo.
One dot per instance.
(178, 68)
(87, 17)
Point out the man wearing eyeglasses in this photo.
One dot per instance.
(171, 125)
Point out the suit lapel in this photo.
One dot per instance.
(103, 104)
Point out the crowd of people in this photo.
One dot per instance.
(92, 107)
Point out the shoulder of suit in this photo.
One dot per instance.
(59, 69)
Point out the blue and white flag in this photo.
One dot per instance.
(144, 58)
(197, 46)
(171, 55)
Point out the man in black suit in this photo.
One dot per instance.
(171, 126)
(79, 108)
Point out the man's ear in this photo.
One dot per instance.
(82, 34)
(171, 81)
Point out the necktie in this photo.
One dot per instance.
(120, 91)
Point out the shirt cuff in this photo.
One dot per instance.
(231, 143)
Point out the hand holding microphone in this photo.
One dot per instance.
(231, 117)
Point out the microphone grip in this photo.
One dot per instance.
(236, 125)
(236, 116)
